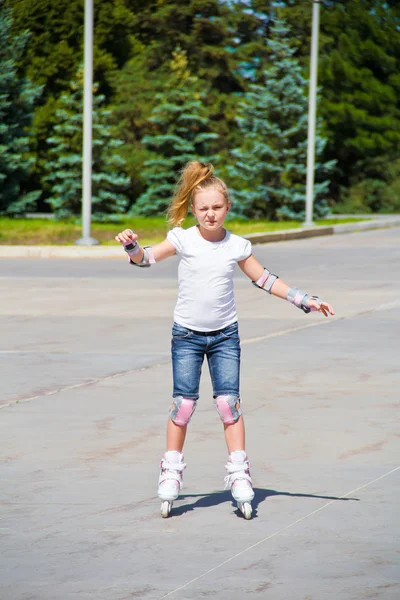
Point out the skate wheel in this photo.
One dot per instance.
(246, 509)
(166, 509)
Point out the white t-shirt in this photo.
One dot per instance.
(205, 275)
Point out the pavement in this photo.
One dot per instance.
(77, 251)
(85, 391)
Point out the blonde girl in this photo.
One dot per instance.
(205, 321)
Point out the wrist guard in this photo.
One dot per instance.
(132, 248)
(148, 258)
(300, 299)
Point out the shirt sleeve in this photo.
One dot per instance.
(175, 236)
(245, 250)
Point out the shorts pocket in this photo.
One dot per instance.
(231, 331)
(180, 332)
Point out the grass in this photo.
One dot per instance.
(43, 232)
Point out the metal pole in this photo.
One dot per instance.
(86, 239)
(312, 114)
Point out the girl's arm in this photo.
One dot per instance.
(256, 272)
(136, 253)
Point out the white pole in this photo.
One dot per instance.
(86, 239)
(311, 114)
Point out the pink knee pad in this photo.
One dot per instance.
(182, 409)
(228, 408)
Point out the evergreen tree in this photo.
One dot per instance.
(224, 46)
(217, 37)
(359, 72)
(17, 97)
(181, 133)
(64, 170)
(55, 51)
(224, 41)
(138, 90)
(269, 170)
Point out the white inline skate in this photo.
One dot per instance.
(170, 480)
(239, 481)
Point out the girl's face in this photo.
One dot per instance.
(210, 209)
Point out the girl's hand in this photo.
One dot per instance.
(126, 237)
(324, 307)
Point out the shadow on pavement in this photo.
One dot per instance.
(261, 494)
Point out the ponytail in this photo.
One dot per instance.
(192, 176)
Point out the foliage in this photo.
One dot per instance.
(378, 191)
(135, 98)
(269, 168)
(360, 74)
(181, 133)
(359, 65)
(55, 51)
(218, 38)
(64, 171)
(225, 46)
(17, 97)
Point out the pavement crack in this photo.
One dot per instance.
(85, 383)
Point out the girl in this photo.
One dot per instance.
(205, 321)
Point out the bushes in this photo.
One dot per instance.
(374, 194)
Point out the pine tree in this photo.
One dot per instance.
(181, 133)
(224, 43)
(17, 97)
(269, 170)
(64, 170)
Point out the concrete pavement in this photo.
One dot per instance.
(85, 392)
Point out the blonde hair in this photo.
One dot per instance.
(195, 176)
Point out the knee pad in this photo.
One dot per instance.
(228, 408)
(182, 409)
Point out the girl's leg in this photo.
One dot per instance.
(175, 436)
(224, 362)
(235, 435)
(187, 359)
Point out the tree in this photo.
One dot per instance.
(269, 169)
(64, 169)
(180, 133)
(17, 97)
(138, 90)
(359, 63)
(215, 36)
(55, 51)
(224, 46)
(359, 66)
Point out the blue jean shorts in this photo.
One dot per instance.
(222, 349)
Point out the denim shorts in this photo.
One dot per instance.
(222, 349)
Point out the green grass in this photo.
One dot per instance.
(150, 229)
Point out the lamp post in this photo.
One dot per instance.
(86, 239)
(312, 114)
